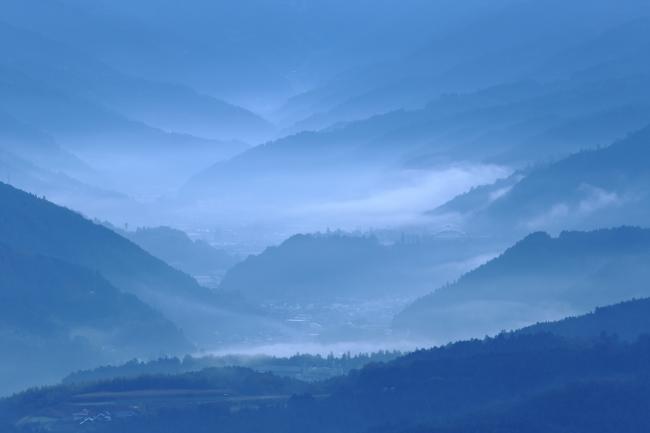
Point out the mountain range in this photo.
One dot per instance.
(478, 51)
(539, 278)
(594, 188)
(191, 191)
(255, 53)
(65, 72)
(194, 257)
(328, 267)
(37, 226)
(484, 133)
(65, 317)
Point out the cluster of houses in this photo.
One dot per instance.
(86, 416)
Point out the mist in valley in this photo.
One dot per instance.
(269, 211)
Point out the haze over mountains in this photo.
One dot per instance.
(195, 257)
(249, 216)
(590, 189)
(34, 225)
(335, 266)
(147, 89)
(540, 278)
(66, 317)
(584, 96)
(256, 52)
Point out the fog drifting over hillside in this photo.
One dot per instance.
(385, 199)
(282, 176)
(406, 197)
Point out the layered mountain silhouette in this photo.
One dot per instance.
(33, 145)
(37, 226)
(594, 188)
(57, 317)
(69, 72)
(256, 53)
(479, 51)
(513, 126)
(510, 383)
(540, 278)
(33, 161)
(323, 268)
(195, 257)
(59, 95)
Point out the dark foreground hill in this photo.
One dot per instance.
(627, 320)
(520, 382)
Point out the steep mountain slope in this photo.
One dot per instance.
(508, 126)
(254, 52)
(36, 146)
(100, 116)
(64, 317)
(95, 133)
(33, 161)
(62, 189)
(595, 188)
(539, 278)
(480, 51)
(531, 119)
(31, 224)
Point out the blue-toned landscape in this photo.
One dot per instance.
(324, 216)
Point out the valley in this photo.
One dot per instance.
(336, 216)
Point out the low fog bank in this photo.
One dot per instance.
(401, 199)
(254, 210)
(366, 198)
